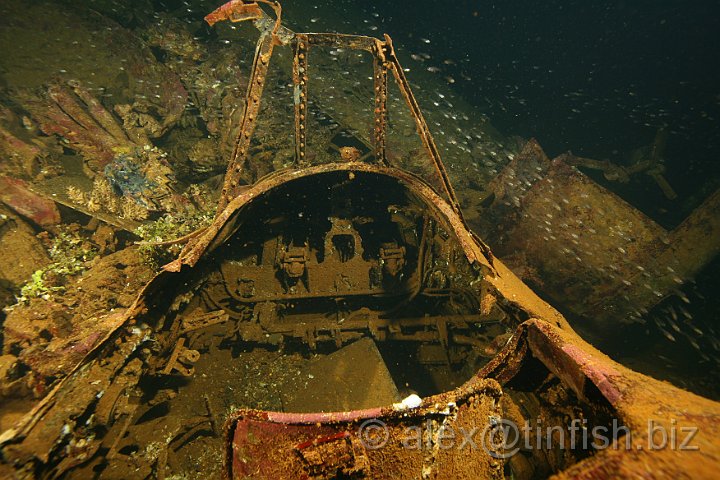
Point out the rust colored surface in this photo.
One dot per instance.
(235, 11)
(247, 125)
(584, 246)
(292, 445)
(645, 405)
(17, 194)
(300, 93)
(272, 444)
(371, 443)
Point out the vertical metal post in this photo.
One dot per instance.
(300, 95)
(380, 89)
(261, 63)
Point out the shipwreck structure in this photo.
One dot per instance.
(341, 258)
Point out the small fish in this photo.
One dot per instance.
(685, 313)
(667, 334)
(682, 296)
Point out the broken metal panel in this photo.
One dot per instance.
(588, 249)
(308, 444)
(18, 195)
(643, 405)
(371, 443)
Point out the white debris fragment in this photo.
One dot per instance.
(408, 403)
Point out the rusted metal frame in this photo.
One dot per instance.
(380, 75)
(423, 129)
(340, 40)
(460, 321)
(211, 238)
(240, 11)
(369, 44)
(261, 63)
(300, 94)
(237, 11)
(316, 428)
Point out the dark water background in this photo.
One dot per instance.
(596, 78)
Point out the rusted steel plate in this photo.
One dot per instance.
(585, 247)
(390, 442)
(378, 443)
(18, 195)
(668, 432)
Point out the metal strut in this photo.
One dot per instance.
(384, 59)
(300, 94)
(388, 53)
(238, 11)
(380, 74)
